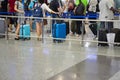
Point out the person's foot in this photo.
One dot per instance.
(71, 34)
(39, 39)
(9, 30)
(17, 38)
(77, 35)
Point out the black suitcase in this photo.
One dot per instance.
(93, 28)
(102, 37)
(117, 35)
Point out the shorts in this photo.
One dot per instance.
(38, 20)
(20, 20)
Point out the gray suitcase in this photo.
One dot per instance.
(2, 27)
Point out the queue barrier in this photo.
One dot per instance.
(68, 18)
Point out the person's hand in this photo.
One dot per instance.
(22, 12)
(119, 11)
(57, 13)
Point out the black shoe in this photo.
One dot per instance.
(16, 38)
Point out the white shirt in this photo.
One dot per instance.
(45, 8)
(92, 5)
(49, 1)
(105, 12)
(65, 3)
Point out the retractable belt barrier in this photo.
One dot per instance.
(67, 16)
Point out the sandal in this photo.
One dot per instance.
(39, 39)
(16, 38)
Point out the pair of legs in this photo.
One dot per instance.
(80, 28)
(20, 21)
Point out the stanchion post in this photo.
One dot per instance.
(69, 23)
(7, 37)
(82, 36)
(42, 32)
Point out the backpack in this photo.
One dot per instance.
(80, 9)
(37, 12)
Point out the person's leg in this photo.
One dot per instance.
(31, 22)
(17, 32)
(110, 26)
(73, 27)
(82, 27)
(38, 30)
(102, 25)
(78, 31)
(19, 22)
(9, 24)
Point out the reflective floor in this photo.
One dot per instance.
(35, 60)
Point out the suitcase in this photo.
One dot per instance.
(117, 35)
(93, 28)
(59, 31)
(25, 32)
(102, 37)
(2, 27)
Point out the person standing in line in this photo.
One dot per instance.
(12, 11)
(19, 8)
(79, 23)
(107, 10)
(39, 21)
(3, 6)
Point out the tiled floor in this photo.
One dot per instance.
(35, 60)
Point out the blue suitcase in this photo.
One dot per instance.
(59, 31)
(25, 31)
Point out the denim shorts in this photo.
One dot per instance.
(38, 20)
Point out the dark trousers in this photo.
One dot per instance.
(107, 25)
(80, 27)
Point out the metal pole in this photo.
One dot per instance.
(42, 32)
(7, 37)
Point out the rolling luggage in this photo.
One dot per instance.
(25, 32)
(102, 37)
(59, 31)
(117, 35)
(2, 27)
